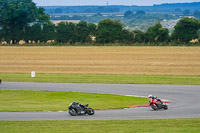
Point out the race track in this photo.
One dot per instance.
(185, 101)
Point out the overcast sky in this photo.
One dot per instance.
(103, 2)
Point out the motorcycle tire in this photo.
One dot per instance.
(165, 107)
(73, 112)
(90, 111)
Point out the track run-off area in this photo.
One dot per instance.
(184, 101)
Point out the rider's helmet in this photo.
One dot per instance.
(150, 96)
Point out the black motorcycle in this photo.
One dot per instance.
(78, 109)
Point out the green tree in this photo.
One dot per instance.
(186, 12)
(139, 36)
(62, 34)
(33, 33)
(15, 15)
(82, 32)
(157, 33)
(66, 32)
(128, 14)
(42, 17)
(163, 35)
(177, 10)
(92, 29)
(58, 10)
(1, 35)
(48, 32)
(73, 33)
(126, 36)
(109, 31)
(153, 33)
(140, 12)
(197, 13)
(186, 30)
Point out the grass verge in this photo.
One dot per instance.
(191, 125)
(100, 78)
(19, 100)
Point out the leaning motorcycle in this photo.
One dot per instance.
(78, 109)
(158, 104)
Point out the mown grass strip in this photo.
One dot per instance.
(101, 78)
(112, 126)
(20, 100)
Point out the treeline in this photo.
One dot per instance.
(80, 9)
(107, 31)
(22, 20)
(186, 12)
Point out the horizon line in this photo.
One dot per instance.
(123, 5)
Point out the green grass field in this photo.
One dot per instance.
(111, 126)
(101, 78)
(19, 100)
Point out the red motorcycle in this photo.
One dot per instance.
(157, 104)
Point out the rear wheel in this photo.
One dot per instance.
(73, 112)
(90, 111)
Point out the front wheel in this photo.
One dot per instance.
(165, 107)
(90, 111)
(73, 112)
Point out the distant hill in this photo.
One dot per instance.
(193, 4)
(120, 8)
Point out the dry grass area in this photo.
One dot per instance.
(101, 60)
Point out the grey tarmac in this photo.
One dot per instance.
(185, 101)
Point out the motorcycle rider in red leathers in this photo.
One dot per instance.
(156, 103)
(154, 98)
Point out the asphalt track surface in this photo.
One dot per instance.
(185, 101)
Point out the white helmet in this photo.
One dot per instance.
(150, 96)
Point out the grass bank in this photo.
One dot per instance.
(112, 126)
(101, 78)
(19, 100)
